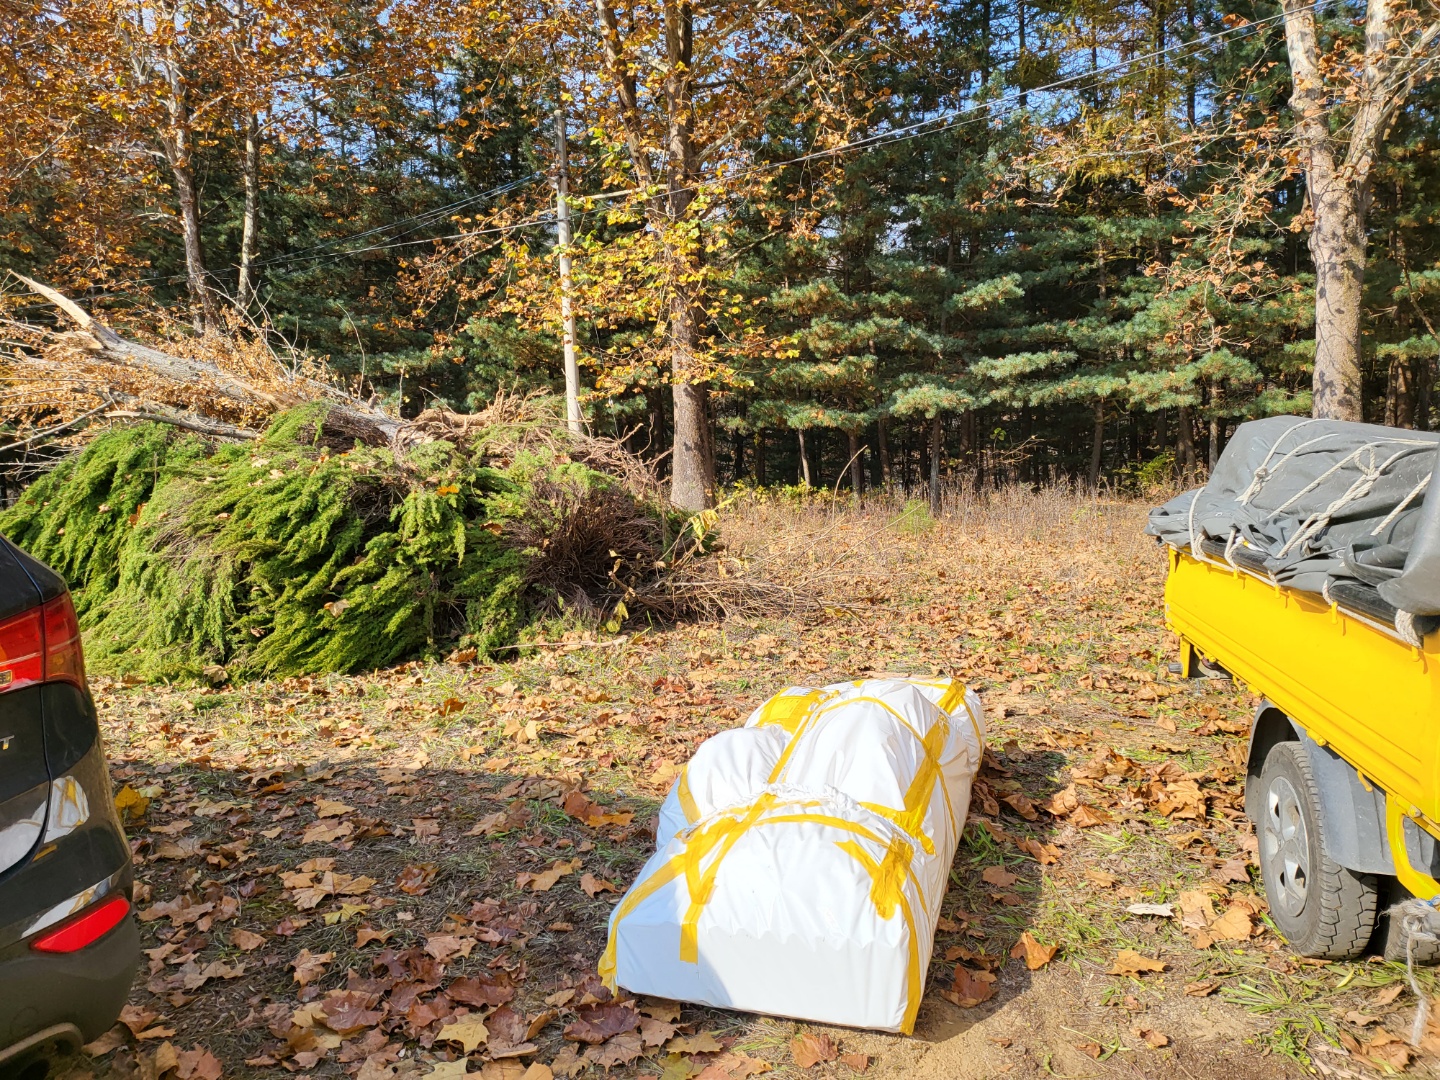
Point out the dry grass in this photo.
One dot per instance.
(1048, 603)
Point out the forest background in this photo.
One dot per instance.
(969, 243)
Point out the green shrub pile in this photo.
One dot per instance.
(294, 555)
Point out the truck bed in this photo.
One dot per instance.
(1343, 676)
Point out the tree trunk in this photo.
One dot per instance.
(1337, 174)
(1097, 444)
(882, 444)
(202, 303)
(804, 458)
(1400, 395)
(691, 483)
(1337, 246)
(1185, 443)
(853, 441)
(1424, 391)
(760, 458)
(176, 143)
(937, 438)
(250, 229)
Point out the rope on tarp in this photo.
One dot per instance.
(1420, 923)
(1418, 490)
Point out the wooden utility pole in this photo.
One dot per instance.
(567, 310)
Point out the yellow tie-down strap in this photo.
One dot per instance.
(911, 815)
(719, 836)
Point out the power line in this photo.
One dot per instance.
(1001, 105)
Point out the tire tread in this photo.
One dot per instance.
(1348, 900)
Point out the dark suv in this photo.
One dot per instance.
(68, 946)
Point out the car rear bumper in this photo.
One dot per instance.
(86, 990)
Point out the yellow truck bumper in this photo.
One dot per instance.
(1364, 693)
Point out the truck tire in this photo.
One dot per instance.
(1323, 909)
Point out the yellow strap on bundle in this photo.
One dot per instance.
(887, 890)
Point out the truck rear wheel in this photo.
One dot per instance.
(1323, 909)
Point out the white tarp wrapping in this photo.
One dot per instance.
(801, 860)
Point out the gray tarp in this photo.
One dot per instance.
(1323, 506)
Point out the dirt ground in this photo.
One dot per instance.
(409, 873)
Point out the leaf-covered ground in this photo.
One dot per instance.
(408, 874)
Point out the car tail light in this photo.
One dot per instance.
(42, 645)
(64, 662)
(87, 929)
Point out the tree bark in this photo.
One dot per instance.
(804, 458)
(250, 228)
(1337, 179)
(177, 144)
(1097, 444)
(937, 438)
(882, 443)
(853, 441)
(760, 458)
(1185, 442)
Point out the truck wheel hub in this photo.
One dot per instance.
(1285, 847)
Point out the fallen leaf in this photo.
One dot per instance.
(330, 808)
(593, 885)
(1087, 817)
(416, 880)
(1202, 988)
(246, 941)
(545, 881)
(197, 1064)
(1165, 911)
(656, 1032)
(703, 1043)
(130, 804)
(1359, 1019)
(970, 988)
(1236, 924)
(1129, 962)
(482, 991)
(621, 1050)
(448, 946)
(364, 935)
(325, 832)
(660, 1010)
(309, 966)
(596, 1023)
(1062, 802)
(469, 1032)
(1036, 956)
(1101, 878)
(1154, 1039)
(1386, 996)
(855, 1062)
(809, 1049)
(999, 876)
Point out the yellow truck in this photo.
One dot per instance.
(1308, 568)
(1343, 776)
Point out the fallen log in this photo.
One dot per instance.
(131, 380)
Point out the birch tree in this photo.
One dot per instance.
(1344, 102)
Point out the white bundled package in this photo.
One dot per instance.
(801, 860)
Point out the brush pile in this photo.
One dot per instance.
(222, 514)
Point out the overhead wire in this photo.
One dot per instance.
(980, 111)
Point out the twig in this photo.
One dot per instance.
(58, 427)
(607, 644)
